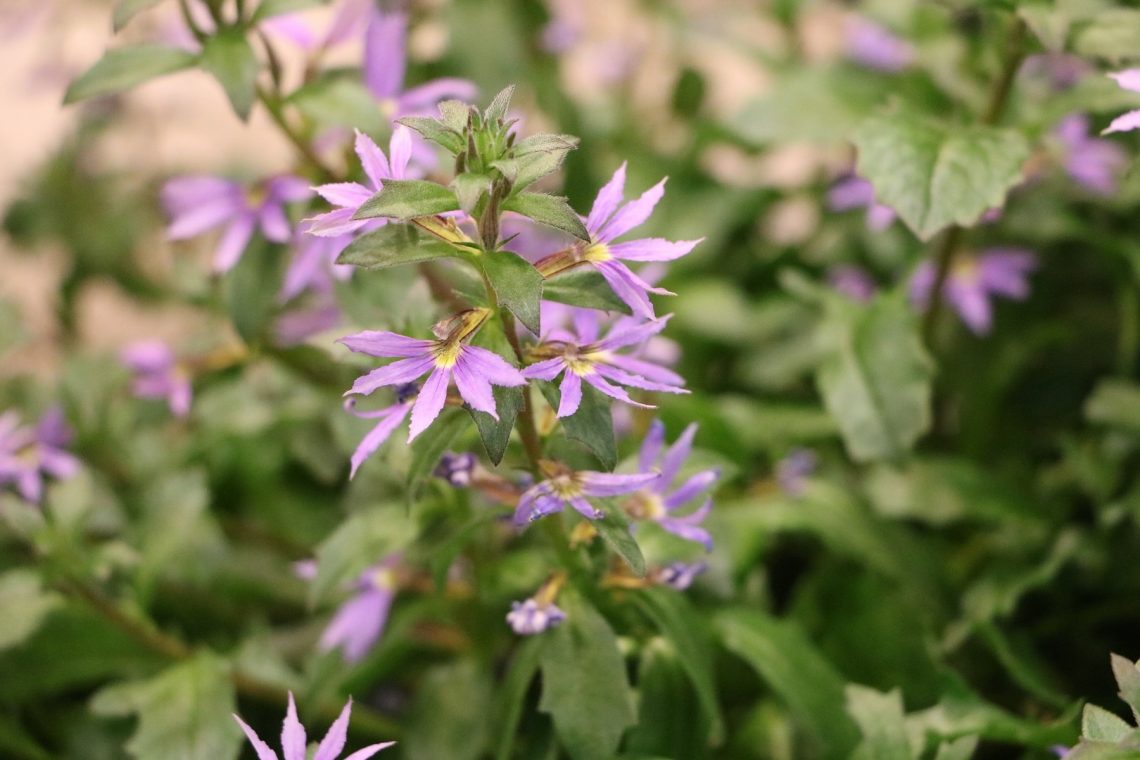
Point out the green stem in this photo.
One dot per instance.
(528, 431)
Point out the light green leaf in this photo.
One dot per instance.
(875, 378)
(430, 445)
(1100, 725)
(807, 103)
(614, 530)
(453, 114)
(500, 105)
(1111, 34)
(584, 685)
(362, 540)
(583, 286)
(936, 174)
(436, 131)
(230, 58)
(121, 69)
(341, 102)
(185, 712)
(25, 604)
(1116, 403)
(128, 9)
(550, 210)
(470, 189)
(957, 749)
(517, 284)
(881, 718)
(592, 425)
(393, 245)
(1127, 674)
(407, 199)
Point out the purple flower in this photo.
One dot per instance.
(295, 327)
(855, 192)
(294, 744)
(1062, 70)
(199, 203)
(474, 370)
(347, 21)
(563, 487)
(609, 219)
(680, 575)
(348, 197)
(314, 266)
(851, 281)
(389, 419)
(358, 623)
(385, 63)
(583, 357)
(974, 279)
(1090, 161)
(658, 501)
(456, 469)
(875, 47)
(158, 374)
(1129, 79)
(28, 454)
(793, 471)
(528, 618)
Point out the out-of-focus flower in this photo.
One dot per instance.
(1061, 70)
(973, 280)
(528, 617)
(1090, 161)
(348, 197)
(874, 46)
(456, 469)
(349, 19)
(297, 326)
(679, 575)
(564, 29)
(583, 357)
(314, 266)
(658, 501)
(358, 623)
(389, 419)
(294, 745)
(158, 374)
(851, 281)
(196, 204)
(1129, 79)
(609, 219)
(793, 471)
(474, 369)
(855, 192)
(29, 454)
(563, 486)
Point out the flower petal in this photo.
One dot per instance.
(651, 446)
(586, 509)
(547, 369)
(369, 751)
(401, 371)
(384, 56)
(492, 366)
(1129, 79)
(675, 457)
(333, 743)
(420, 99)
(262, 749)
(606, 202)
(376, 437)
(233, 242)
(625, 287)
(430, 402)
(633, 214)
(344, 194)
(384, 343)
(653, 249)
(688, 532)
(292, 734)
(571, 392)
(632, 334)
(614, 391)
(635, 381)
(603, 484)
(690, 488)
(1124, 123)
(356, 627)
(474, 388)
(375, 163)
(400, 149)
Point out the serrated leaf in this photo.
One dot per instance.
(184, 713)
(592, 425)
(429, 446)
(1100, 725)
(25, 604)
(584, 685)
(544, 143)
(935, 174)
(550, 210)
(469, 188)
(436, 131)
(230, 58)
(614, 530)
(500, 105)
(453, 114)
(532, 167)
(517, 284)
(875, 378)
(270, 8)
(394, 245)
(121, 69)
(128, 9)
(1127, 674)
(512, 693)
(882, 720)
(583, 286)
(407, 199)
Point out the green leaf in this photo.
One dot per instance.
(1111, 34)
(792, 667)
(185, 712)
(544, 143)
(393, 245)
(453, 114)
(430, 445)
(614, 530)
(669, 721)
(497, 434)
(592, 425)
(500, 105)
(128, 9)
(1127, 674)
(685, 628)
(25, 604)
(271, 8)
(16, 742)
(341, 102)
(451, 690)
(250, 293)
(876, 378)
(407, 199)
(517, 284)
(584, 685)
(1100, 725)
(1116, 403)
(958, 749)
(882, 720)
(360, 541)
(808, 103)
(121, 69)
(550, 210)
(512, 693)
(583, 286)
(470, 188)
(435, 131)
(230, 58)
(936, 174)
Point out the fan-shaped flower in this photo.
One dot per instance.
(158, 374)
(563, 486)
(294, 743)
(973, 280)
(28, 454)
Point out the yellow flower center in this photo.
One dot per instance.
(597, 253)
(965, 268)
(384, 578)
(645, 505)
(388, 107)
(447, 353)
(565, 487)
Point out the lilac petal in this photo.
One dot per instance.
(675, 457)
(286, 188)
(262, 749)
(972, 305)
(57, 463)
(474, 388)
(1124, 123)
(571, 392)
(420, 99)
(586, 509)
(292, 734)
(369, 751)
(850, 192)
(194, 222)
(646, 369)
(185, 193)
(620, 279)
(653, 249)
(30, 485)
(1129, 79)
(400, 149)
(181, 396)
(344, 194)
(879, 217)
(293, 28)
(274, 223)
(384, 343)
(547, 369)
(603, 484)
(373, 160)
(635, 381)
(614, 391)
(1005, 272)
(357, 625)
(651, 446)
(632, 334)
(632, 214)
(333, 743)
(384, 57)
(585, 325)
(304, 270)
(535, 502)
(391, 420)
(492, 366)
(606, 202)
(688, 532)
(690, 488)
(922, 284)
(147, 356)
(349, 18)
(334, 223)
(233, 243)
(402, 371)
(697, 516)
(430, 402)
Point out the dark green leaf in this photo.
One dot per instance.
(270, 8)
(407, 199)
(500, 105)
(430, 445)
(614, 530)
(393, 245)
(592, 425)
(456, 690)
(881, 718)
(517, 284)
(128, 9)
(497, 434)
(122, 69)
(251, 292)
(937, 174)
(669, 721)
(550, 210)
(584, 685)
(512, 693)
(230, 58)
(583, 286)
(436, 131)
